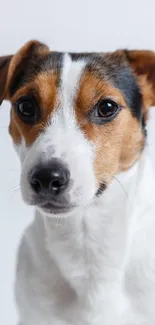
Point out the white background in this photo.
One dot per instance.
(66, 25)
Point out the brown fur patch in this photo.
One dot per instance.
(44, 89)
(117, 144)
(91, 90)
(147, 93)
(143, 64)
(20, 59)
(4, 66)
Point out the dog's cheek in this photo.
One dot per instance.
(107, 157)
(18, 141)
(106, 163)
(107, 141)
(133, 144)
(117, 144)
(14, 132)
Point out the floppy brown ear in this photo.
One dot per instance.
(4, 66)
(143, 65)
(12, 67)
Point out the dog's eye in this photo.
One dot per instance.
(27, 110)
(106, 109)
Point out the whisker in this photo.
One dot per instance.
(13, 193)
(126, 194)
(15, 187)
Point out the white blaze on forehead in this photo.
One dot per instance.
(70, 77)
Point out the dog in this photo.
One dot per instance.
(78, 123)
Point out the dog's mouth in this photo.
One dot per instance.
(62, 205)
(51, 208)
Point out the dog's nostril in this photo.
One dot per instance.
(36, 185)
(57, 184)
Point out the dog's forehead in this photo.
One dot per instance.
(103, 65)
(108, 66)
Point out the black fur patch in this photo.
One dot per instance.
(144, 126)
(125, 81)
(31, 65)
(101, 189)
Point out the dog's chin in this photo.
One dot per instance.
(54, 211)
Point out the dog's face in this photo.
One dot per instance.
(76, 120)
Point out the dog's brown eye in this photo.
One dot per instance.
(106, 108)
(27, 110)
(104, 111)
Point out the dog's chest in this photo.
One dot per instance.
(88, 250)
(74, 273)
(75, 282)
(48, 298)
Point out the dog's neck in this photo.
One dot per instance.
(91, 246)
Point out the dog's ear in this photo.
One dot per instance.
(13, 67)
(4, 67)
(143, 65)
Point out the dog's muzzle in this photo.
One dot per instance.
(49, 183)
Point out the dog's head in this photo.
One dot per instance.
(76, 120)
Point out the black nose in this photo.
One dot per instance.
(52, 178)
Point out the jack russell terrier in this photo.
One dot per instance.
(78, 123)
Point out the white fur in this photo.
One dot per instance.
(96, 266)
